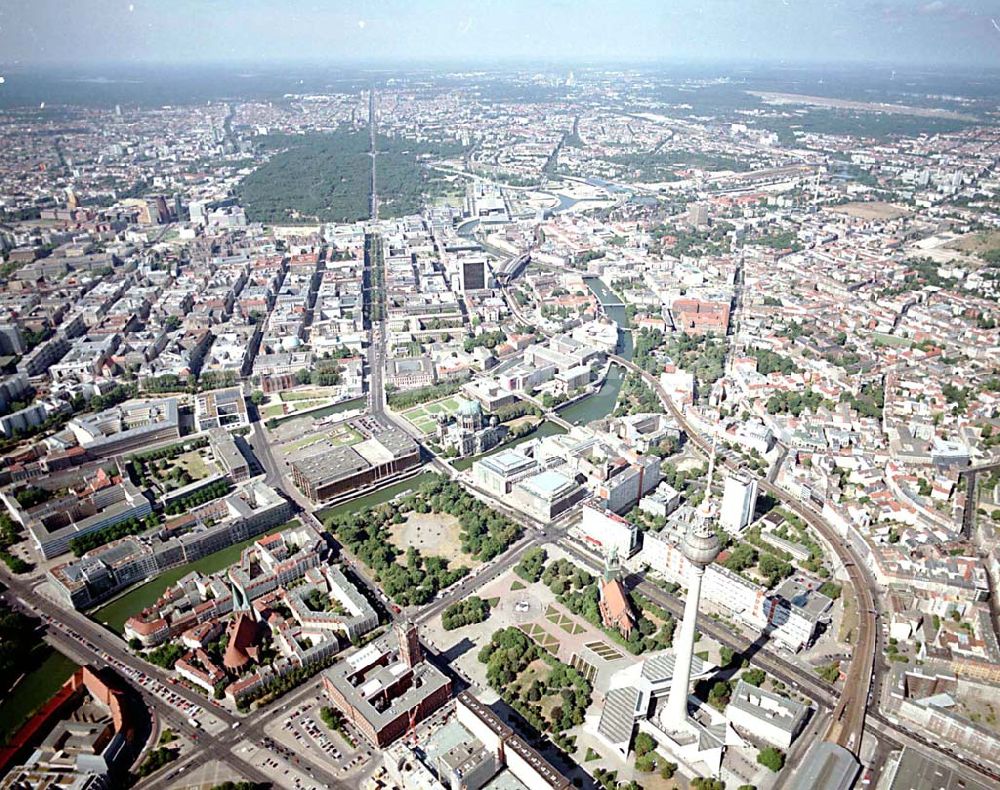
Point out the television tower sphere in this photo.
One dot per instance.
(701, 544)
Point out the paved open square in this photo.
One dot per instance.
(432, 534)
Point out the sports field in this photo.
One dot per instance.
(977, 243)
(870, 210)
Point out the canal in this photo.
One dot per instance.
(115, 613)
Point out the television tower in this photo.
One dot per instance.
(700, 547)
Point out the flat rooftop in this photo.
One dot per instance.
(549, 484)
(394, 440)
(334, 464)
(917, 771)
(826, 766)
(506, 462)
(805, 596)
(225, 449)
(780, 711)
(427, 679)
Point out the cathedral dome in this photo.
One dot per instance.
(469, 408)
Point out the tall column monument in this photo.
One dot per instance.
(700, 547)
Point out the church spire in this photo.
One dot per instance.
(241, 601)
(612, 570)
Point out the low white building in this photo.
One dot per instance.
(547, 494)
(661, 502)
(498, 473)
(765, 715)
(755, 436)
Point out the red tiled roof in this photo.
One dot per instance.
(242, 635)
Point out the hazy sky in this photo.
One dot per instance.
(261, 31)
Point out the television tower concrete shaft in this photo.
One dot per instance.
(700, 547)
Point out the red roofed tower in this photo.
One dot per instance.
(410, 651)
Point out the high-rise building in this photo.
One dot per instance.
(698, 214)
(10, 339)
(159, 211)
(739, 498)
(472, 274)
(197, 210)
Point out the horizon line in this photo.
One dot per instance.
(486, 64)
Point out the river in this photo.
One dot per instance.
(376, 497)
(598, 405)
(602, 403)
(115, 613)
(34, 689)
(467, 229)
(325, 411)
(615, 310)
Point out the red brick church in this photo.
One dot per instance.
(616, 609)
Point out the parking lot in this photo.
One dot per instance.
(302, 731)
(190, 710)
